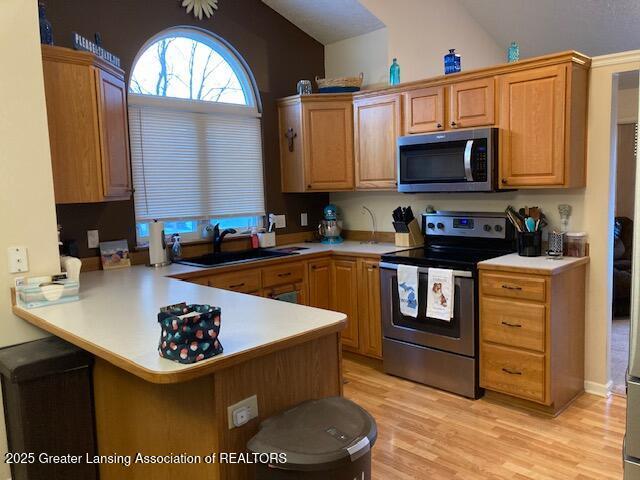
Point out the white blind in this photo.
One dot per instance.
(194, 164)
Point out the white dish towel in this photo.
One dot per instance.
(408, 290)
(440, 294)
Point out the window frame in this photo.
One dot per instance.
(253, 108)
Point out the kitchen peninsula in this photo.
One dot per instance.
(281, 352)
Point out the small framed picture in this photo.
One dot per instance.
(115, 254)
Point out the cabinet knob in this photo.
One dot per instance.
(438, 125)
(504, 181)
(453, 124)
(309, 186)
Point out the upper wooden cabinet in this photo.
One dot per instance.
(316, 143)
(472, 103)
(377, 125)
(88, 131)
(424, 110)
(543, 127)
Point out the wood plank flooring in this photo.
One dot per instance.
(427, 434)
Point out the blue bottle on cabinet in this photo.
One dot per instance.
(46, 31)
(394, 73)
(452, 62)
(513, 55)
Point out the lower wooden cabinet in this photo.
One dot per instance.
(346, 284)
(532, 335)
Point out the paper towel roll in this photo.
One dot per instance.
(157, 245)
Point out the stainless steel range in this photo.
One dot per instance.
(442, 354)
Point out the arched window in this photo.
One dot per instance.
(195, 135)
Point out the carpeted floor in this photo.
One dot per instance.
(619, 353)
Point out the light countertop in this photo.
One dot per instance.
(541, 265)
(116, 317)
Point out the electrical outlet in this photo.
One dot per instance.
(17, 259)
(93, 238)
(281, 221)
(240, 413)
(304, 221)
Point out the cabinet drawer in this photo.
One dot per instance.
(513, 286)
(513, 372)
(282, 274)
(513, 323)
(245, 281)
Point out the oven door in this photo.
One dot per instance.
(455, 336)
(448, 161)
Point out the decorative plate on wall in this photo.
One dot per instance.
(200, 6)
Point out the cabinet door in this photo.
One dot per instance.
(70, 91)
(320, 282)
(345, 298)
(328, 145)
(369, 308)
(290, 131)
(114, 135)
(376, 128)
(472, 103)
(423, 110)
(532, 127)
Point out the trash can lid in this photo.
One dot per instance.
(39, 358)
(317, 434)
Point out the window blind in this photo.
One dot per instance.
(195, 164)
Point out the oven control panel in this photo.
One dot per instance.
(466, 224)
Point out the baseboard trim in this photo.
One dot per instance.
(600, 389)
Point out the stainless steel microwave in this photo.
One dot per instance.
(456, 161)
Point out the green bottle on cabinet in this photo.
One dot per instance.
(394, 73)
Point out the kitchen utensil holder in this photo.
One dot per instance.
(413, 238)
(530, 244)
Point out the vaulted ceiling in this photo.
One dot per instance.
(594, 27)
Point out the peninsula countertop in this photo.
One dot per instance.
(541, 265)
(116, 316)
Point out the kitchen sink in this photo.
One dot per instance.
(224, 258)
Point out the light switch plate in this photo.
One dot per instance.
(17, 259)
(304, 221)
(281, 221)
(242, 412)
(93, 238)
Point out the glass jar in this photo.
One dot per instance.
(452, 63)
(575, 244)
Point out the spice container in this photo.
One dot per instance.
(576, 244)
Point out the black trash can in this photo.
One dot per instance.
(322, 439)
(48, 408)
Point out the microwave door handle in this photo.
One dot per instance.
(468, 173)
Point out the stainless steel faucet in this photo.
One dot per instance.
(373, 225)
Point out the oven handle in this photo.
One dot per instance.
(468, 174)
(456, 273)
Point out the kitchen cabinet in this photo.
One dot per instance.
(316, 143)
(472, 103)
(423, 110)
(377, 124)
(543, 127)
(532, 335)
(88, 130)
(370, 327)
(345, 298)
(320, 283)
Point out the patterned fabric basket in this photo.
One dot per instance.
(189, 333)
(339, 85)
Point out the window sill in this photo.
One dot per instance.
(204, 241)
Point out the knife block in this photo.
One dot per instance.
(413, 238)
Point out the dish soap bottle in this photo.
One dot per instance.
(452, 62)
(394, 73)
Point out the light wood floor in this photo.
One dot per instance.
(427, 434)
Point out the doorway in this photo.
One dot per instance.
(626, 147)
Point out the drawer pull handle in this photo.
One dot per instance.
(511, 372)
(515, 325)
(284, 274)
(237, 285)
(511, 287)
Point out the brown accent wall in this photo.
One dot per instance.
(278, 53)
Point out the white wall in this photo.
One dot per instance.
(419, 33)
(27, 211)
(365, 53)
